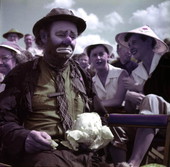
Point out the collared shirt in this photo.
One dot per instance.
(140, 74)
(109, 91)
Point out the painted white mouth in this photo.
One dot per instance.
(64, 50)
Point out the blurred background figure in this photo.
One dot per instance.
(31, 47)
(13, 35)
(75, 57)
(124, 60)
(167, 41)
(10, 56)
(83, 60)
(112, 58)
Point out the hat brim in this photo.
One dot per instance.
(10, 48)
(80, 23)
(20, 35)
(160, 46)
(88, 48)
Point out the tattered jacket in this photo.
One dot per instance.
(16, 104)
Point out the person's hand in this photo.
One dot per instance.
(131, 85)
(135, 97)
(37, 141)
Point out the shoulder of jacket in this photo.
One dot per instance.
(21, 70)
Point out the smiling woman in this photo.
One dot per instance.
(149, 52)
(8, 56)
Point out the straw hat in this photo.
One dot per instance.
(11, 46)
(59, 14)
(160, 46)
(89, 47)
(20, 35)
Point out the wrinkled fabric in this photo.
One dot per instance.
(61, 158)
(153, 104)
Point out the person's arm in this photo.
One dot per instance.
(131, 85)
(120, 93)
(15, 138)
(12, 132)
(134, 97)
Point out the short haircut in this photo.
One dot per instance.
(94, 46)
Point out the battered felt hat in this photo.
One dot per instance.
(160, 46)
(59, 14)
(89, 47)
(11, 46)
(20, 35)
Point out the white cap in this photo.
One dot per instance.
(109, 47)
(11, 45)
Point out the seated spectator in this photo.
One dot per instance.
(9, 56)
(111, 92)
(159, 86)
(124, 60)
(83, 60)
(156, 101)
(146, 47)
(31, 47)
(167, 41)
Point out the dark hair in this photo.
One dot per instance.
(90, 48)
(38, 36)
(81, 55)
(159, 82)
(142, 37)
(28, 35)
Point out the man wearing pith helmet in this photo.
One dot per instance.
(13, 35)
(46, 95)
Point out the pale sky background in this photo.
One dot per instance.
(104, 18)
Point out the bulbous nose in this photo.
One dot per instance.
(67, 40)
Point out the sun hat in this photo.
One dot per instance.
(160, 46)
(11, 46)
(59, 14)
(20, 35)
(89, 47)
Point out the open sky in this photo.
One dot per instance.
(104, 18)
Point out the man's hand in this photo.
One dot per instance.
(37, 141)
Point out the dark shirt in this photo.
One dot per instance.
(129, 66)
